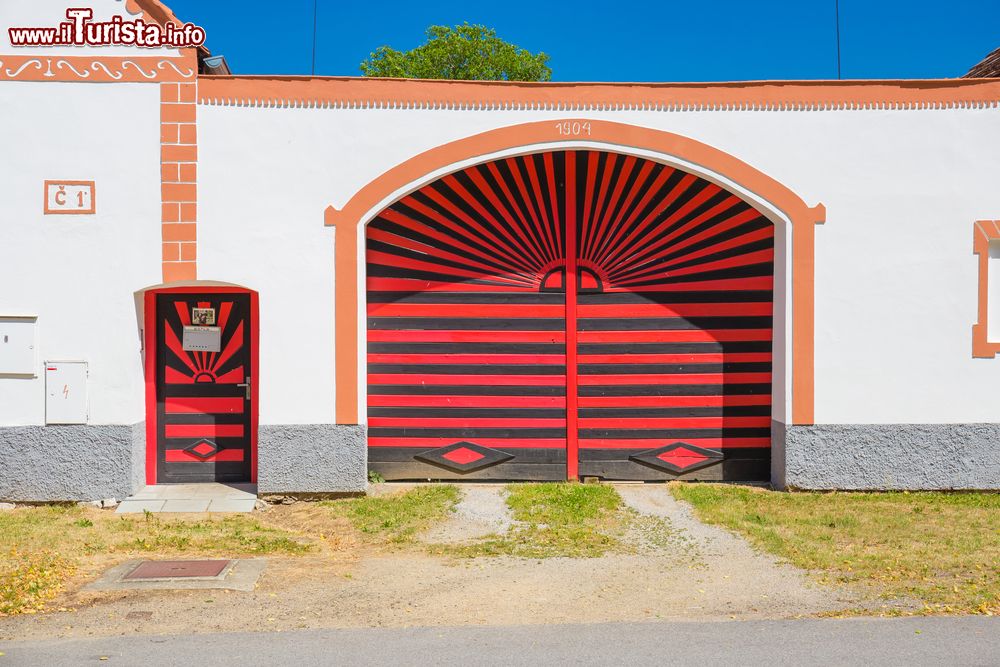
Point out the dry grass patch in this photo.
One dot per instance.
(942, 549)
(29, 581)
(47, 543)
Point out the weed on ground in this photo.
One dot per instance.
(397, 518)
(563, 520)
(942, 549)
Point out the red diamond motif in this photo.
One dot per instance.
(203, 448)
(682, 457)
(462, 456)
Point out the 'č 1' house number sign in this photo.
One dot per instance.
(69, 197)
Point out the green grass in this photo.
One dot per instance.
(397, 518)
(942, 549)
(557, 519)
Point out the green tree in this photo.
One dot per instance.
(466, 52)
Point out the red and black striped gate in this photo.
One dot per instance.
(570, 313)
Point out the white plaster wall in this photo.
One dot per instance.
(78, 272)
(50, 13)
(262, 189)
(895, 275)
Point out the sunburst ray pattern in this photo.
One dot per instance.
(468, 314)
(203, 421)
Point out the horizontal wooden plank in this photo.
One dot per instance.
(537, 472)
(735, 470)
(203, 430)
(203, 405)
(554, 455)
(616, 454)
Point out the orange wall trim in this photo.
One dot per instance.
(360, 93)
(99, 69)
(983, 232)
(713, 160)
(179, 180)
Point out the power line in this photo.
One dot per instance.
(313, 70)
(837, 10)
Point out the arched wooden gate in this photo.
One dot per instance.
(570, 313)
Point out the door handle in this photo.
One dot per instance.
(246, 385)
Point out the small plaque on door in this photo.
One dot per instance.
(202, 339)
(203, 317)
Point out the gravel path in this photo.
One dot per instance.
(710, 542)
(481, 512)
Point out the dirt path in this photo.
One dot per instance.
(481, 512)
(701, 573)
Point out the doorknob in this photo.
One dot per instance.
(247, 385)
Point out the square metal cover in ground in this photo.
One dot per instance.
(174, 569)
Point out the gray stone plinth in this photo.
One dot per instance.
(54, 463)
(312, 458)
(887, 456)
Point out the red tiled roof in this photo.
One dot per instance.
(988, 68)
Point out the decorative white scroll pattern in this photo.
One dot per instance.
(151, 74)
(186, 73)
(13, 74)
(62, 63)
(97, 69)
(96, 66)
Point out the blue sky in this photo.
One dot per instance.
(618, 40)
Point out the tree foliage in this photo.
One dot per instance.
(465, 52)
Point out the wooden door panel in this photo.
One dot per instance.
(203, 409)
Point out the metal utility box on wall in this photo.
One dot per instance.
(65, 392)
(17, 345)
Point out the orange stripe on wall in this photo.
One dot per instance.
(789, 95)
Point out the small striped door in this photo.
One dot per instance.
(655, 363)
(203, 409)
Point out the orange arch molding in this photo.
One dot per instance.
(347, 221)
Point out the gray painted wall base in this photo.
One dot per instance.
(52, 463)
(886, 456)
(316, 458)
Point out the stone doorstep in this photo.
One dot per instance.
(192, 505)
(191, 498)
(239, 575)
(189, 491)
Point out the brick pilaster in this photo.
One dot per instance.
(179, 180)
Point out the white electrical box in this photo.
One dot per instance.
(65, 392)
(17, 345)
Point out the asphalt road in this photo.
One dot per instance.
(908, 641)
